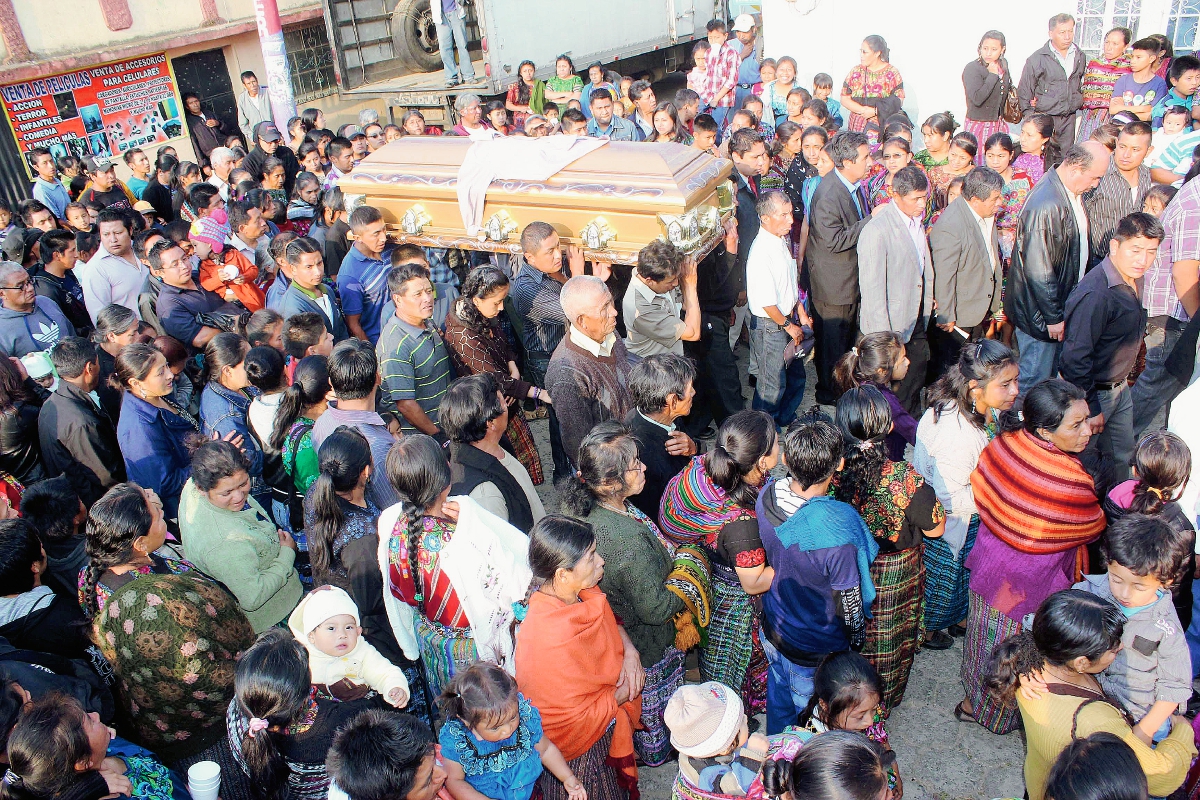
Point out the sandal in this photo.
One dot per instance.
(962, 715)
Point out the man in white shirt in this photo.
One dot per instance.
(772, 292)
(113, 275)
(221, 160)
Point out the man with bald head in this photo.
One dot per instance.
(28, 322)
(1049, 258)
(588, 376)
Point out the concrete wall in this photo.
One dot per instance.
(930, 46)
(72, 26)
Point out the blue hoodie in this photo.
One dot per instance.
(23, 332)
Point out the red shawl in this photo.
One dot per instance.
(568, 660)
(1034, 497)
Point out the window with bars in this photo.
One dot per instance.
(311, 62)
(1182, 25)
(1098, 17)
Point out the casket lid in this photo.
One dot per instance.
(620, 172)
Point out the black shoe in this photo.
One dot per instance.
(957, 630)
(450, 84)
(938, 640)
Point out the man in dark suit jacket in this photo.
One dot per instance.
(662, 390)
(77, 437)
(837, 215)
(966, 261)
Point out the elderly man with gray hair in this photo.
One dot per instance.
(588, 376)
(221, 160)
(662, 387)
(772, 293)
(28, 321)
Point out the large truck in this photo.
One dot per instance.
(389, 49)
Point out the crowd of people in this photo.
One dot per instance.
(269, 480)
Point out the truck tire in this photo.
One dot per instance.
(414, 36)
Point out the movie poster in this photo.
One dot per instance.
(100, 111)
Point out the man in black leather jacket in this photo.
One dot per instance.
(1049, 257)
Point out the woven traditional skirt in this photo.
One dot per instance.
(445, 652)
(523, 445)
(682, 790)
(983, 131)
(1089, 121)
(986, 628)
(729, 655)
(592, 770)
(895, 628)
(946, 580)
(653, 744)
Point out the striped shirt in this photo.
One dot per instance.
(535, 297)
(1178, 155)
(415, 366)
(1111, 200)
(1181, 221)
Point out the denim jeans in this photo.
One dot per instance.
(1039, 360)
(451, 31)
(789, 687)
(780, 388)
(1117, 437)
(1156, 387)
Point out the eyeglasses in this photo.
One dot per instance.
(20, 287)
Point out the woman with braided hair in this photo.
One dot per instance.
(412, 534)
(124, 529)
(899, 508)
(711, 503)
(163, 617)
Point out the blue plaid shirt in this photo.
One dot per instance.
(439, 266)
(535, 297)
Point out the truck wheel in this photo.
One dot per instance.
(414, 36)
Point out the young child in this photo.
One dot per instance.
(1152, 674)
(766, 76)
(709, 729)
(626, 103)
(1158, 198)
(823, 90)
(881, 359)
(224, 270)
(846, 697)
(1174, 121)
(344, 665)
(1184, 77)
(492, 742)
(698, 75)
(704, 134)
(1138, 91)
(1162, 465)
(78, 218)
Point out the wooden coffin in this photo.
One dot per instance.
(612, 202)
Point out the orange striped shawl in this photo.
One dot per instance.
(1034, 497)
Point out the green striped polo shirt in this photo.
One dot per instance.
(414, 366)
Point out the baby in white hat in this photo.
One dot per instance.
(709, 729)
(343, 664)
